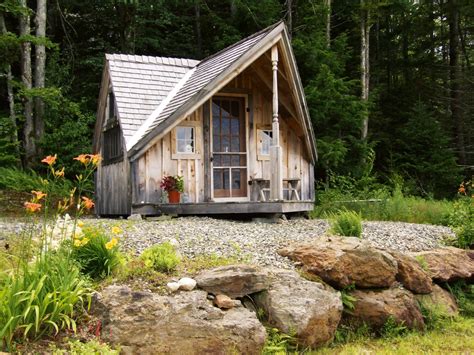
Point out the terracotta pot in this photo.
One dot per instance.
(173, 196)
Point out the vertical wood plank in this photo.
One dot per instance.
(206, 117)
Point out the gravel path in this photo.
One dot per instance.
(256, 242)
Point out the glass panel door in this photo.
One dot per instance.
(229, 164)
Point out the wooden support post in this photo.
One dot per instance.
(276, 182)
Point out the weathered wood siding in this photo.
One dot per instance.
(160, 160)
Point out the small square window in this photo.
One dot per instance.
(266, 139)
(185, 141)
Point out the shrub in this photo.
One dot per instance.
(44, 298)
(346, 223)
(161, 257)
(461, 220)
(96, 253)
(75, 347)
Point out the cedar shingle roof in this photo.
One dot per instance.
(141, 83)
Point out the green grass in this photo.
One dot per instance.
(457, 336)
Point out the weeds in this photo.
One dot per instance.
(346, 223)
(161, 257)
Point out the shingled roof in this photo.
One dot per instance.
(152, 93)
(141, 83)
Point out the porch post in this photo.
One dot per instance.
(276, 182)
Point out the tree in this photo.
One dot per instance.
(40, 66)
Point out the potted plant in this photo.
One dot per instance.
(174, 186)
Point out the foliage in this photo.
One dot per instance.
(348, 300)
(161, 257)
(43, 298)
(76, 347)
(96, 253)
(172, 183)
(461, 217)
(392, 328)
(346, 223)
(464, 294)
(279, 343)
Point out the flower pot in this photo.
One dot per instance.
(173, 196)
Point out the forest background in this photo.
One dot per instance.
(389, 83)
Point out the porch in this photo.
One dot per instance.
(220, 208)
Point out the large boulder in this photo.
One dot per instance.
(439, 302)
(343, 261)
(293, 304)
(184, 323)
(448, 264)
(411, 274)
(233, 280)
(374, 308)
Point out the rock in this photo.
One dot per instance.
(293, 304)
(448, 264)
(375, 307)
(223, 301)
(135, 217)
(184, 323)
(343, 261)
(411, 274)
(187, 284)
(439, 301)
(233, 280)
(172, 286)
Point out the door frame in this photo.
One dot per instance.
(247, 147)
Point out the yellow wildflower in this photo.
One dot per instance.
(85, 241)
(77, 243)
(80, 224)
(116, 230)
(113, 242)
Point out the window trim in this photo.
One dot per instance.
(196, 125)
(120, 156)
(260, 155)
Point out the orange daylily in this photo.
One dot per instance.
(88, 203)
(32, 207)
(462, 189)
(95, 159)
(50, 159)
(38, 195)
(83, 158)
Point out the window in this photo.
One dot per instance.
(111, 106)
(112, 150)
(185, 140)
(266, 141)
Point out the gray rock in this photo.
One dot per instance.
(440, 302)
(292, 303)
(185, 323)
(233, 280)
(135, 217)
(187, 284)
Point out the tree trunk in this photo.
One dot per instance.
(455, 77)
(126, 14)
(40, 65)
(197, 10)
(328, 22)
(11, 98)
(364, 64)
(26, 77)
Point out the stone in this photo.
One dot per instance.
(343, 261)
(135, 217)
(411, 274)
(439, 301)
(293, 304)
(187, 284)
(183, 323)
(448, 264)
(172, 286)
(224, 302)
(233, 280)
(374, 308)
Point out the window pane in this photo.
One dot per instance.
(225, 106)
(235, 144)
(217, 160)
(225, 160)
(235, 127)
(266, 137)
(225, 126)
(236, 179)
(225, 180)
(216, 143)
(235, 108)
(218, 178)
(181, 145)
(181, 132)
(225, 147)
(189, 146)
(216, 125)
(235, 160)
(216, 109)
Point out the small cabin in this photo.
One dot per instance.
(234, 125)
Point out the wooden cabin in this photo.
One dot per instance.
(235, 126)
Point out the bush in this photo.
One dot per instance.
(44, 298)
(461, 220)
(346, 223)
(161, 257)
(96, 253)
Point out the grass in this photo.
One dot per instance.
(457, 336)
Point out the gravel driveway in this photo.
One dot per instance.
(258, 242)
